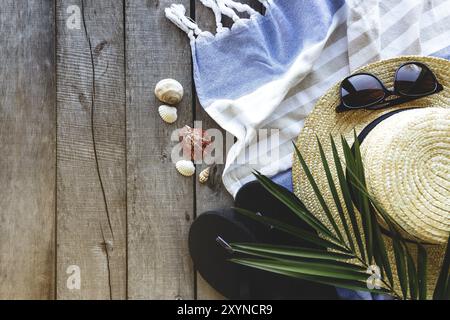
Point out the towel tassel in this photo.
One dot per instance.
(240, 7)
(212, 4)
(227, 11)
(177, 14)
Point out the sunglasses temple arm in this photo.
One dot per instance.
(390, 103)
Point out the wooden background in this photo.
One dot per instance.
(85, 171)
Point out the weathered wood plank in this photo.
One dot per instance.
(213, 195)
(91, 176)
(27, 142)
(160, 201)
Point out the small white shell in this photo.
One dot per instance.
(204, 175)
(168, 113)
(169, 91)
(185, 167)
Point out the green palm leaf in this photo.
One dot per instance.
(293, 203)
(354, 162)
(334, 192)
(347, 197)
(393, 226)
(347, 284)
(380, 252)
(296, 232)
(291, 251)
(412, 276)
(397, 240)
(364, 200)
(422, 271)
(303, 262)
(348, 153)
(399, 254)
(311, 263)
(314, 269)
(318, 193)
(377, 247)
(442, 289)
(336, 268)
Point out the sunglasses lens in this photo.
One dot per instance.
(414, 80)
(361, 90)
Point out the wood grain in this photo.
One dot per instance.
(212, 195)
(86, 172)
(160, 201)
(91, 176)
(27, 142)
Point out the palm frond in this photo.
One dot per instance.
(335, 195)
(330, 270)
(340, 261)
(399, 254)
(406, 272)
(290, 251)
(360, 201)
(363, 199)
(412, 276)
(347, 197)
(347, 284)
(293, 231)
(380, 252)
(318, 193)
(293, 203)
(422, 271)
(442, 289)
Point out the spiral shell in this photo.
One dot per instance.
(168, 113)
(185, 167)
(169, 91)
(204, 175)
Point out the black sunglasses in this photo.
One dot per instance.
(413, 80)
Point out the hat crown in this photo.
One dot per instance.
(407, 166)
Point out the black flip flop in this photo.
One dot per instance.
(254, 197)
(209, 237)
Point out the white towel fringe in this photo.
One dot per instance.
(227, 11)
(212, 4)
(177, 14)
(240, 7)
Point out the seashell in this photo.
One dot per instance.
(169, 91)
(204, 175)
(168, 113)
(185, 167)
(194, 141)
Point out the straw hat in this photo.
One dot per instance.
(406, 157)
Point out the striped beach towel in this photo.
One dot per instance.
(260, 78)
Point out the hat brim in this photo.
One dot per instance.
(324, 122)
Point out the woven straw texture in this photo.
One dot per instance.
(414, 191)
(407, 161)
